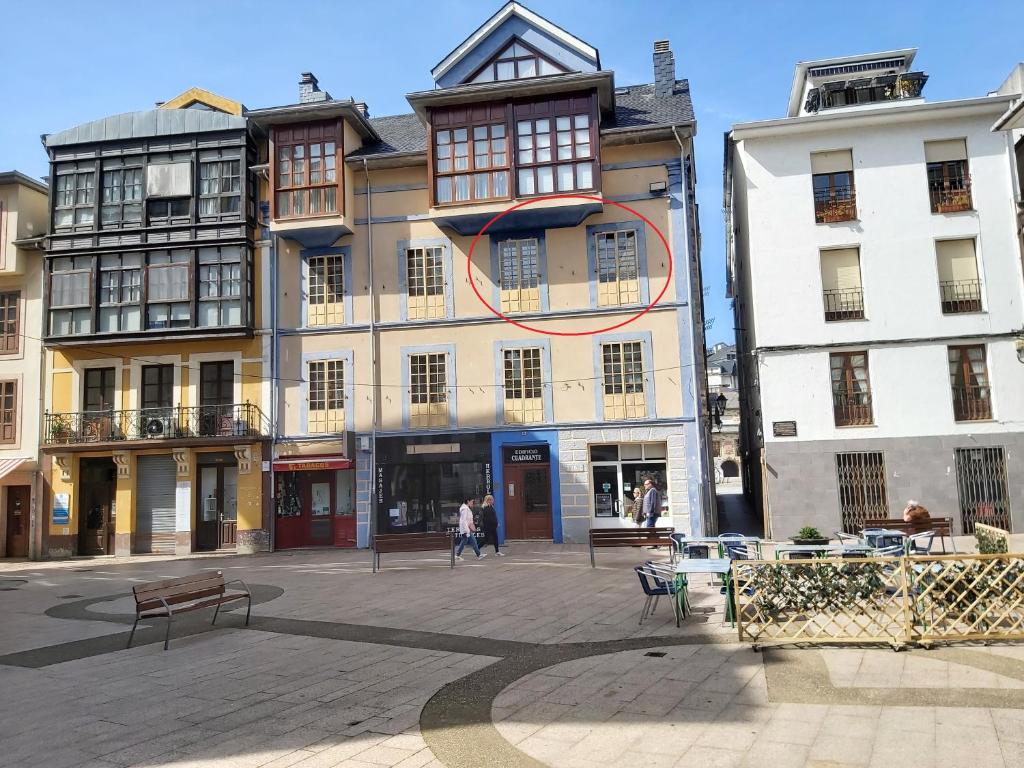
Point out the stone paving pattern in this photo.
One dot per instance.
(534, 659)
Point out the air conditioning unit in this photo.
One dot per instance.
(159, 426)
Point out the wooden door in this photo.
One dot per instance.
(95, 506)
(17, 521)
(216, 396)
(344, 509)
(98, 404)
(228, 527)
(319, 508)
(217, 516)
(528, 502)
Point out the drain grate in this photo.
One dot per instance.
(655, 654)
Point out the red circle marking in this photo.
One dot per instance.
(524, 326)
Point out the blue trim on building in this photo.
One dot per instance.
(644, 337)
(641, 257)
(523, 438)
(403, 272)
(450, 381)
(346, 275)
(499, 376)
(348, 371)
(542, 264)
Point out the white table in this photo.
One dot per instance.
(704, 565)
(837, 549)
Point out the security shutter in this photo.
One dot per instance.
(154, 504)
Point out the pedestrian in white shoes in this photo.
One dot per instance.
(467, 530)
(489, 522)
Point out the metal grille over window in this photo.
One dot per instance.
(623, 367)
(326, 290)
(982, 488)
(841, 285)
(861, 480)
(428, 390)
(959, 285)
(968, 378)
(851, 389)
(618, 279)
(949, 182)
(425, 282)
(524, 401)
(326, 411)
(520, 276)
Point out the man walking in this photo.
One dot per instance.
(652, 503)
(467, 530)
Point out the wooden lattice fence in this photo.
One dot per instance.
(893, 600)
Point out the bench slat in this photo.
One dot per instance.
(150, 613)
(181, 584)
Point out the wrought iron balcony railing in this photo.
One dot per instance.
(176, 422)
(844, 304)
(972, 403)
(852, 409)
(949, 195)
(835, 204)
(960, 296)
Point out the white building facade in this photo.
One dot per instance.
(876, 273)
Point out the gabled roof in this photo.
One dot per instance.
(507, 11)
(186, 99)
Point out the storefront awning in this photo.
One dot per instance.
(10, 465)
(312, 463)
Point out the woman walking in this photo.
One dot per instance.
(638, 506)
(467, 530)
(489, 522)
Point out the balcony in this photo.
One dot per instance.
(835, 204)
(950, 195)
(852, 409)
(972, 403)
(206, 424)
(960, 296)
(843, 304)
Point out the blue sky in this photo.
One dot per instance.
(62, 63)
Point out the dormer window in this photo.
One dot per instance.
(516, 61)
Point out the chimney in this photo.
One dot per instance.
(664, 69)
(309, 91)
(361, 106)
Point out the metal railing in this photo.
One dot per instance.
(960, 296)
(951, 194)
(177, 422)
(835, 204)
(843, 304)
(895, 600)
(972, 403)
(852, 409)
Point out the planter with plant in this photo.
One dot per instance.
(809, 536)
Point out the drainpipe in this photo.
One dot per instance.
(372, 506)
(698, 348)
(274, 385)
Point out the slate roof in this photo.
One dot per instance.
(635, 109)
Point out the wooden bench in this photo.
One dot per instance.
(629, 537)
(386, 543)
(942, 526)
(189, 593)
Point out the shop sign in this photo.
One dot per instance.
(531, 454)
(311, 466)
(603, 506)
(61, 507)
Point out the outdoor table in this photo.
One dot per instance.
(721, 566)
(721, 541)
(881, 538)
(823, 549)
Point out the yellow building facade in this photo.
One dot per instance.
(156, 365)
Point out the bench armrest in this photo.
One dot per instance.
(245, 587)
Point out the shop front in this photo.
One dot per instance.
(422, 480)
(616, 469)
(315, 502)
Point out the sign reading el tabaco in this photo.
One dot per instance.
(531, 454)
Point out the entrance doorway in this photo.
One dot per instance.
(527, 501)
(96, 512)
(217, 513)
(315, 508)
(17, 521)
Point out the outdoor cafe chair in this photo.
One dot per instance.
(678, 584)
(848, 538)
(660, 587)
(920, 543)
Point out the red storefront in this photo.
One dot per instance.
(314, 502)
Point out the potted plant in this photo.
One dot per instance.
(60, 428)
(809, 536)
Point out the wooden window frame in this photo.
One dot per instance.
(974, 403)
(221, 160)
(326, 278)
(120, 288)
(8, 416)
(624, 293)
(122, 202)
(77, 171)
(534, 54)
(523, 385)
(221, 299)
(425, 280)
(834, 205)
(470, 119)
(622, 380)
(90, 271)
(289, 136)
(164, 385)
(189, 265)
(850, 406)
(10, 322)
(428, 390)
(519, 292)
(326, 394)
(571, 107)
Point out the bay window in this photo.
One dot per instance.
(70, 295)
(555, 146)
(220, 183)
(220, 286)
(307, 182)
(122, 196)
(168, 290)
(471, 157)
(120, 293)
(75, 195)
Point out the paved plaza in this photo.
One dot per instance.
(534, 659)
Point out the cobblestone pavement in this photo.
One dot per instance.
(534, 659)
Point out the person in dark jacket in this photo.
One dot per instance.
(652, 503)
(489, 522)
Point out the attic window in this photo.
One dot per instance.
(516, 61)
